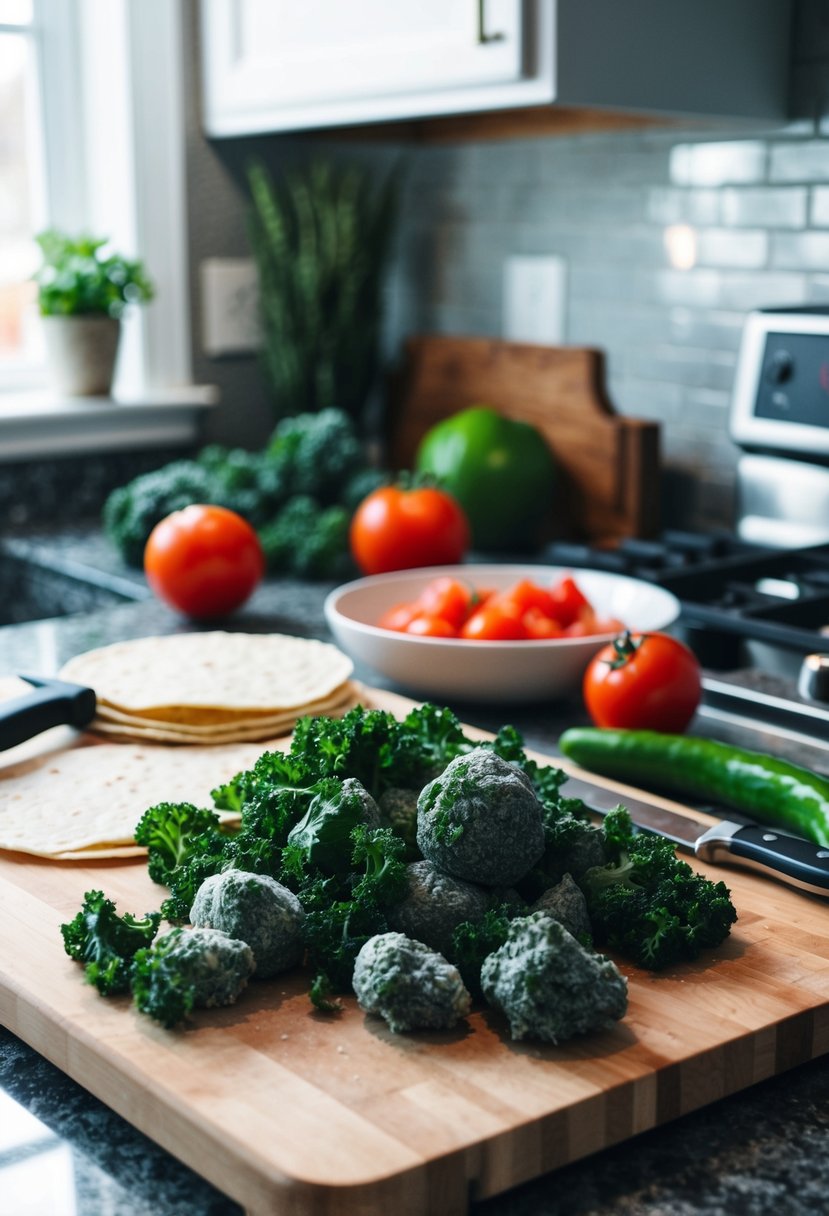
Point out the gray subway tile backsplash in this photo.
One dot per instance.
(670, 236)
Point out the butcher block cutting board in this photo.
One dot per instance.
(298, 1113)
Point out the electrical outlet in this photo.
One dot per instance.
(535, 297)
(230, 306)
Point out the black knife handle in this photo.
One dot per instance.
(54, 704)
(799, 863)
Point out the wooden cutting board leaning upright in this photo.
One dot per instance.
(609, 464)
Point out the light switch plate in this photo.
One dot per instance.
(230, 306)
(535, 299)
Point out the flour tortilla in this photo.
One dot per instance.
(88, 800)
(215, 678)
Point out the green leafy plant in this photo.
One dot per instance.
(321, 239)
(77, 278)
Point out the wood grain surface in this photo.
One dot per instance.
(297, 1113)
(608, 463)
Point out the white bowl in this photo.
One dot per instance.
(486, 671)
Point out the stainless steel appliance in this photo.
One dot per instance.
(780, 418)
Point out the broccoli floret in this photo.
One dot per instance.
(190, 968)
(360, 484)
(131, 512)
(307, 539)
(648, 904)
(549, 986)
(409, 985)
(565, 901)
(434, 904)
(106, 942)
(317, 453)
(480, 820)
(256, 909)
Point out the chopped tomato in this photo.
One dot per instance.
(447, 598)
(567, 600)
(430, 627)
(398, 617)
(526, 610)
(495, 621)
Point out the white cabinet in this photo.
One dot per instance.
(281, 65)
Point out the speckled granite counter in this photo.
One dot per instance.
(761, 1153)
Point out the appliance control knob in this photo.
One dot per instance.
(780, 367)
(813, 681)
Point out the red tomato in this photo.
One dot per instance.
(567, 601)
(398, 617)
(397, 529)
(447, 598)
(538, 625)
(430, 627)
(643, 682)
(527, 595)
(203, 560)
(495, 621)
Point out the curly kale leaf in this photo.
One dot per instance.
(106, 942)
(173, 833)
(474, 941)
(648, 904)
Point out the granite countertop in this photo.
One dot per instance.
(760, 1153)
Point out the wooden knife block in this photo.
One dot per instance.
(609, 485)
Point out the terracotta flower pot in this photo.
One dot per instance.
(81, 353)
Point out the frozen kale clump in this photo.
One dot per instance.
(189, 968)
(565, 901)
(398, 809)
(256, 909)
(549, 986)
(411, 986)
(481, 820)
(434, 905)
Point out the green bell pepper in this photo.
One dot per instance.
(501, 471)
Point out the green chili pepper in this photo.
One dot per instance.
(768, 789)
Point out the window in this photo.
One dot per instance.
(22, 194)
(92, 139)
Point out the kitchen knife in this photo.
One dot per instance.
(50, 703)
(791, 860)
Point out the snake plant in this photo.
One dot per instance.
(320, 238)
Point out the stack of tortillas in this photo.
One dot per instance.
(71, 797)
(212, 688)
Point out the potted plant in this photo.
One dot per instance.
(82, 294)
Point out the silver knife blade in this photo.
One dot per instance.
(768, 851)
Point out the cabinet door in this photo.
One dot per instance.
(283, 64)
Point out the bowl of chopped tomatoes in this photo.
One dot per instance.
(491, 632)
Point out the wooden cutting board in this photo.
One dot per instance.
(296, 1113)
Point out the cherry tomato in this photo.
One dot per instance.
(539, 625)
(527, 595)
(397, 529)
(495, 621)
(203, 560)
(643, 682)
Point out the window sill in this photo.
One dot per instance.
(34, 424)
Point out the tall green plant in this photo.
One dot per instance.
(321, 240)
